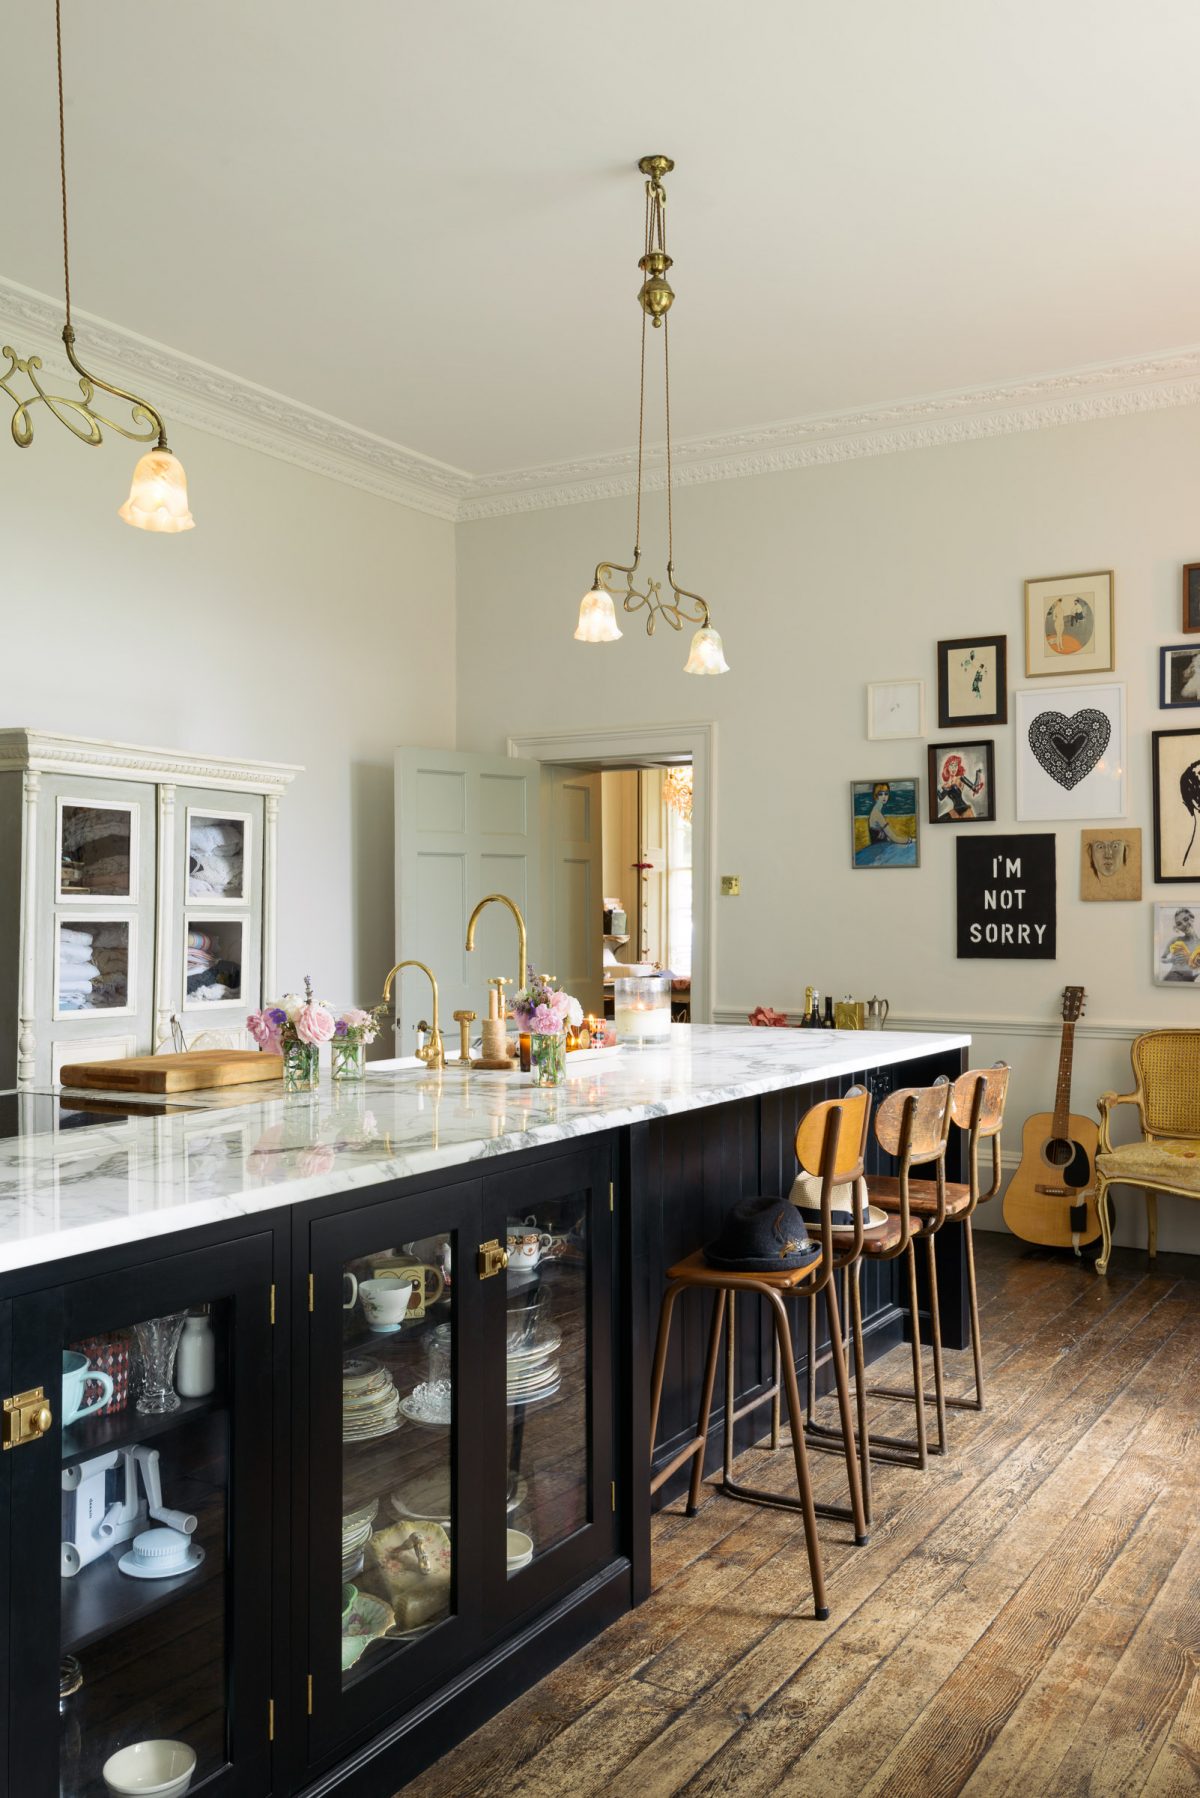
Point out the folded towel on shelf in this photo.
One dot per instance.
(199, 939)
(215, 992)
(206, 837)
(77, 976)
(222, 973)
(70, 934)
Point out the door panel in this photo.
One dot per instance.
(466, 825)
(573, 856)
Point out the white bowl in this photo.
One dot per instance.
(157, 1769)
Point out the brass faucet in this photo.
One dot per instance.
(431, 1053)
(522, 938)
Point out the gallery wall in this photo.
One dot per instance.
(822, 580)
(301, 621)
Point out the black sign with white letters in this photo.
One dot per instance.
(1006, 898)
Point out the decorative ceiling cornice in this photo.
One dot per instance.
(1145, 385)
(210, 399)
(224, 405)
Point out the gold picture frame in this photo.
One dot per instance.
(1070, 624)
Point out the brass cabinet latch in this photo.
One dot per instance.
(491, 1259)
(26, 1417)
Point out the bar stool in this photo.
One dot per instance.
(830, 1141)
(912, 1124)
(977, 1101)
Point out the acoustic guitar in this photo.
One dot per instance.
(1050, 1198)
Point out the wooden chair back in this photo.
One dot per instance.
(977, 1106)
(913, 1124)
(1166, 1067)
(831, 1140)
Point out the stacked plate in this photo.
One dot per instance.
(356, 1533)
(533, 1369)
(370, 1402)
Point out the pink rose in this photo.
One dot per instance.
(314, 1025)
(546, 1021)
(263, 1030)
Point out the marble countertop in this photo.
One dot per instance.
(87, 1181)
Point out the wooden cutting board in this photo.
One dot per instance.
(175, 1073)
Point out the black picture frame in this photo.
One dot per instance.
(948, 646)
(1184, 772)
(1166, 682)
(1191, 597)
(937, 751)
(1007, 897)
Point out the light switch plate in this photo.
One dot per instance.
(731, 886)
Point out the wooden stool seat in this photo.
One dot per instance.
(922, 1196)
(880, 1239)
(696, 1271)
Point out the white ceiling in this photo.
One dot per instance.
(426, 220)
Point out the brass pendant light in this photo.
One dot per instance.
(597, 614)
(158, 497)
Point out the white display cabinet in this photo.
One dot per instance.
(137, 886)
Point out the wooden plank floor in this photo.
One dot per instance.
(1025, 1619)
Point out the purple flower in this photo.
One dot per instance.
(339, 1028)
(277, 1016)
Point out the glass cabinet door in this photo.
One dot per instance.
(159, 1387)
(389, 1530)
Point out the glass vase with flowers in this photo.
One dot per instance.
(353, 1029)
(295, 1028)
(546, 1012)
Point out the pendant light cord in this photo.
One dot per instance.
(62, 156)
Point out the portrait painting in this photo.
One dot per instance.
(972, 682)
(1110, 864)
(962, 782)
(1069, 624)
(1176, 945)
(885, 825)
(1175, 763)
(1179, 675)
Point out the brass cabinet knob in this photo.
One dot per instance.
(42, 1421)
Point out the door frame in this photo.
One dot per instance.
(621, 746)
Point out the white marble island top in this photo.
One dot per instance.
(87, 1181)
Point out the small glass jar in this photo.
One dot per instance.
(348, 1060)
(642, 1009)
(547, 1058)
(301, 1067)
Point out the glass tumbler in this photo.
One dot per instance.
(157, 1340)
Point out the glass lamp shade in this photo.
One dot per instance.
(597, 618)
(707, 654)
(158, 497)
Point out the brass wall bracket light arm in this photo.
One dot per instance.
(80, 416)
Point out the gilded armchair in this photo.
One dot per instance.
(1166, 1157)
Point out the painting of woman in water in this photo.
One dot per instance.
(884, 816)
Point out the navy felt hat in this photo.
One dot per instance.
(762, 1236)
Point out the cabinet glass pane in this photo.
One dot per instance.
(217, 852)
(96, 851)
(95, 958)
(214, 962)
(145, 1494)
(549, 1476)
(397, 1410)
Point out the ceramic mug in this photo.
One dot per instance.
(76, 1374)
(526, 1248)
(387, 1303)
(427, 1282)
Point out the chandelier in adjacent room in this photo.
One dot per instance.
(677, 791)
(597, 614)
(158, 497)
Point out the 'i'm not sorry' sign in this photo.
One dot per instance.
(1006, 898)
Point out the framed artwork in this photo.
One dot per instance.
(1191, 596)
(1175, 761)
(1071, 752)
(1178, 676)
(962, 782)
(1069, 624)
(1007, 898)
(1110, 864)
(895, 709)
(884, 820)
(1176, 945)
(972, 682)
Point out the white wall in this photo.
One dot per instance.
(301, 621)
(822, 580)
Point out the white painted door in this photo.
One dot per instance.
(571, 891)
(466, 825)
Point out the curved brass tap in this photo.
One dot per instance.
(432, 1054)
(522, 938)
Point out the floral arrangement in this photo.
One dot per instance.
(544, 1009)
(310, 1022)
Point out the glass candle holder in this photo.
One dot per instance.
(642, 1008)
(157, 1340)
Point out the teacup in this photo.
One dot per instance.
(428, 1282)
(388, 1302)
(526, 1248)
(76, 1374)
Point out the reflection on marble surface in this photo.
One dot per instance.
(65, 1193)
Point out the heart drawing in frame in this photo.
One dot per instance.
(1069, 748)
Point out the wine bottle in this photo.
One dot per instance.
(814, 1021)
(827, 1022)
(806, 1019)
